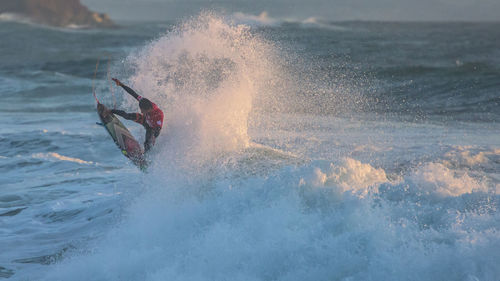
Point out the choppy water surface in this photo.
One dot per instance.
(292, 151)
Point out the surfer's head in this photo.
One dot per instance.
(145, 105)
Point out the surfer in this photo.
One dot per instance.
(151, 117)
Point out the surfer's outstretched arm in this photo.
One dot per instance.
(136, 117)
(128, 89)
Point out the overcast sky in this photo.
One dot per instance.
(338, 10)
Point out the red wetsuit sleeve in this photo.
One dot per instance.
(136, 117)
(139, 118)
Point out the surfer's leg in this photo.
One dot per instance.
(150, 140)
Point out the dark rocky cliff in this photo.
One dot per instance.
(61, 13)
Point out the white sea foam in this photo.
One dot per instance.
(76, 26)
(280, 228)
(470, 156)
(350, 175)
(57, 156)
(321, 23)
(264, 19)
(14, 17)
(435, 178)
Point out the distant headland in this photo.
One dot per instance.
(59, 13)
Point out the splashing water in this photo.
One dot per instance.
(204, 75)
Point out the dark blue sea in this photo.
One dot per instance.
(291, 150)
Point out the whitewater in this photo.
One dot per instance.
(292, 150)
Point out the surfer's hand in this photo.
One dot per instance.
(118, 83)
(117, 111)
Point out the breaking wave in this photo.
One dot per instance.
(264, 20)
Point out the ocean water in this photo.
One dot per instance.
(292, 150)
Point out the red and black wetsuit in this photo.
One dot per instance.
(152, 121)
